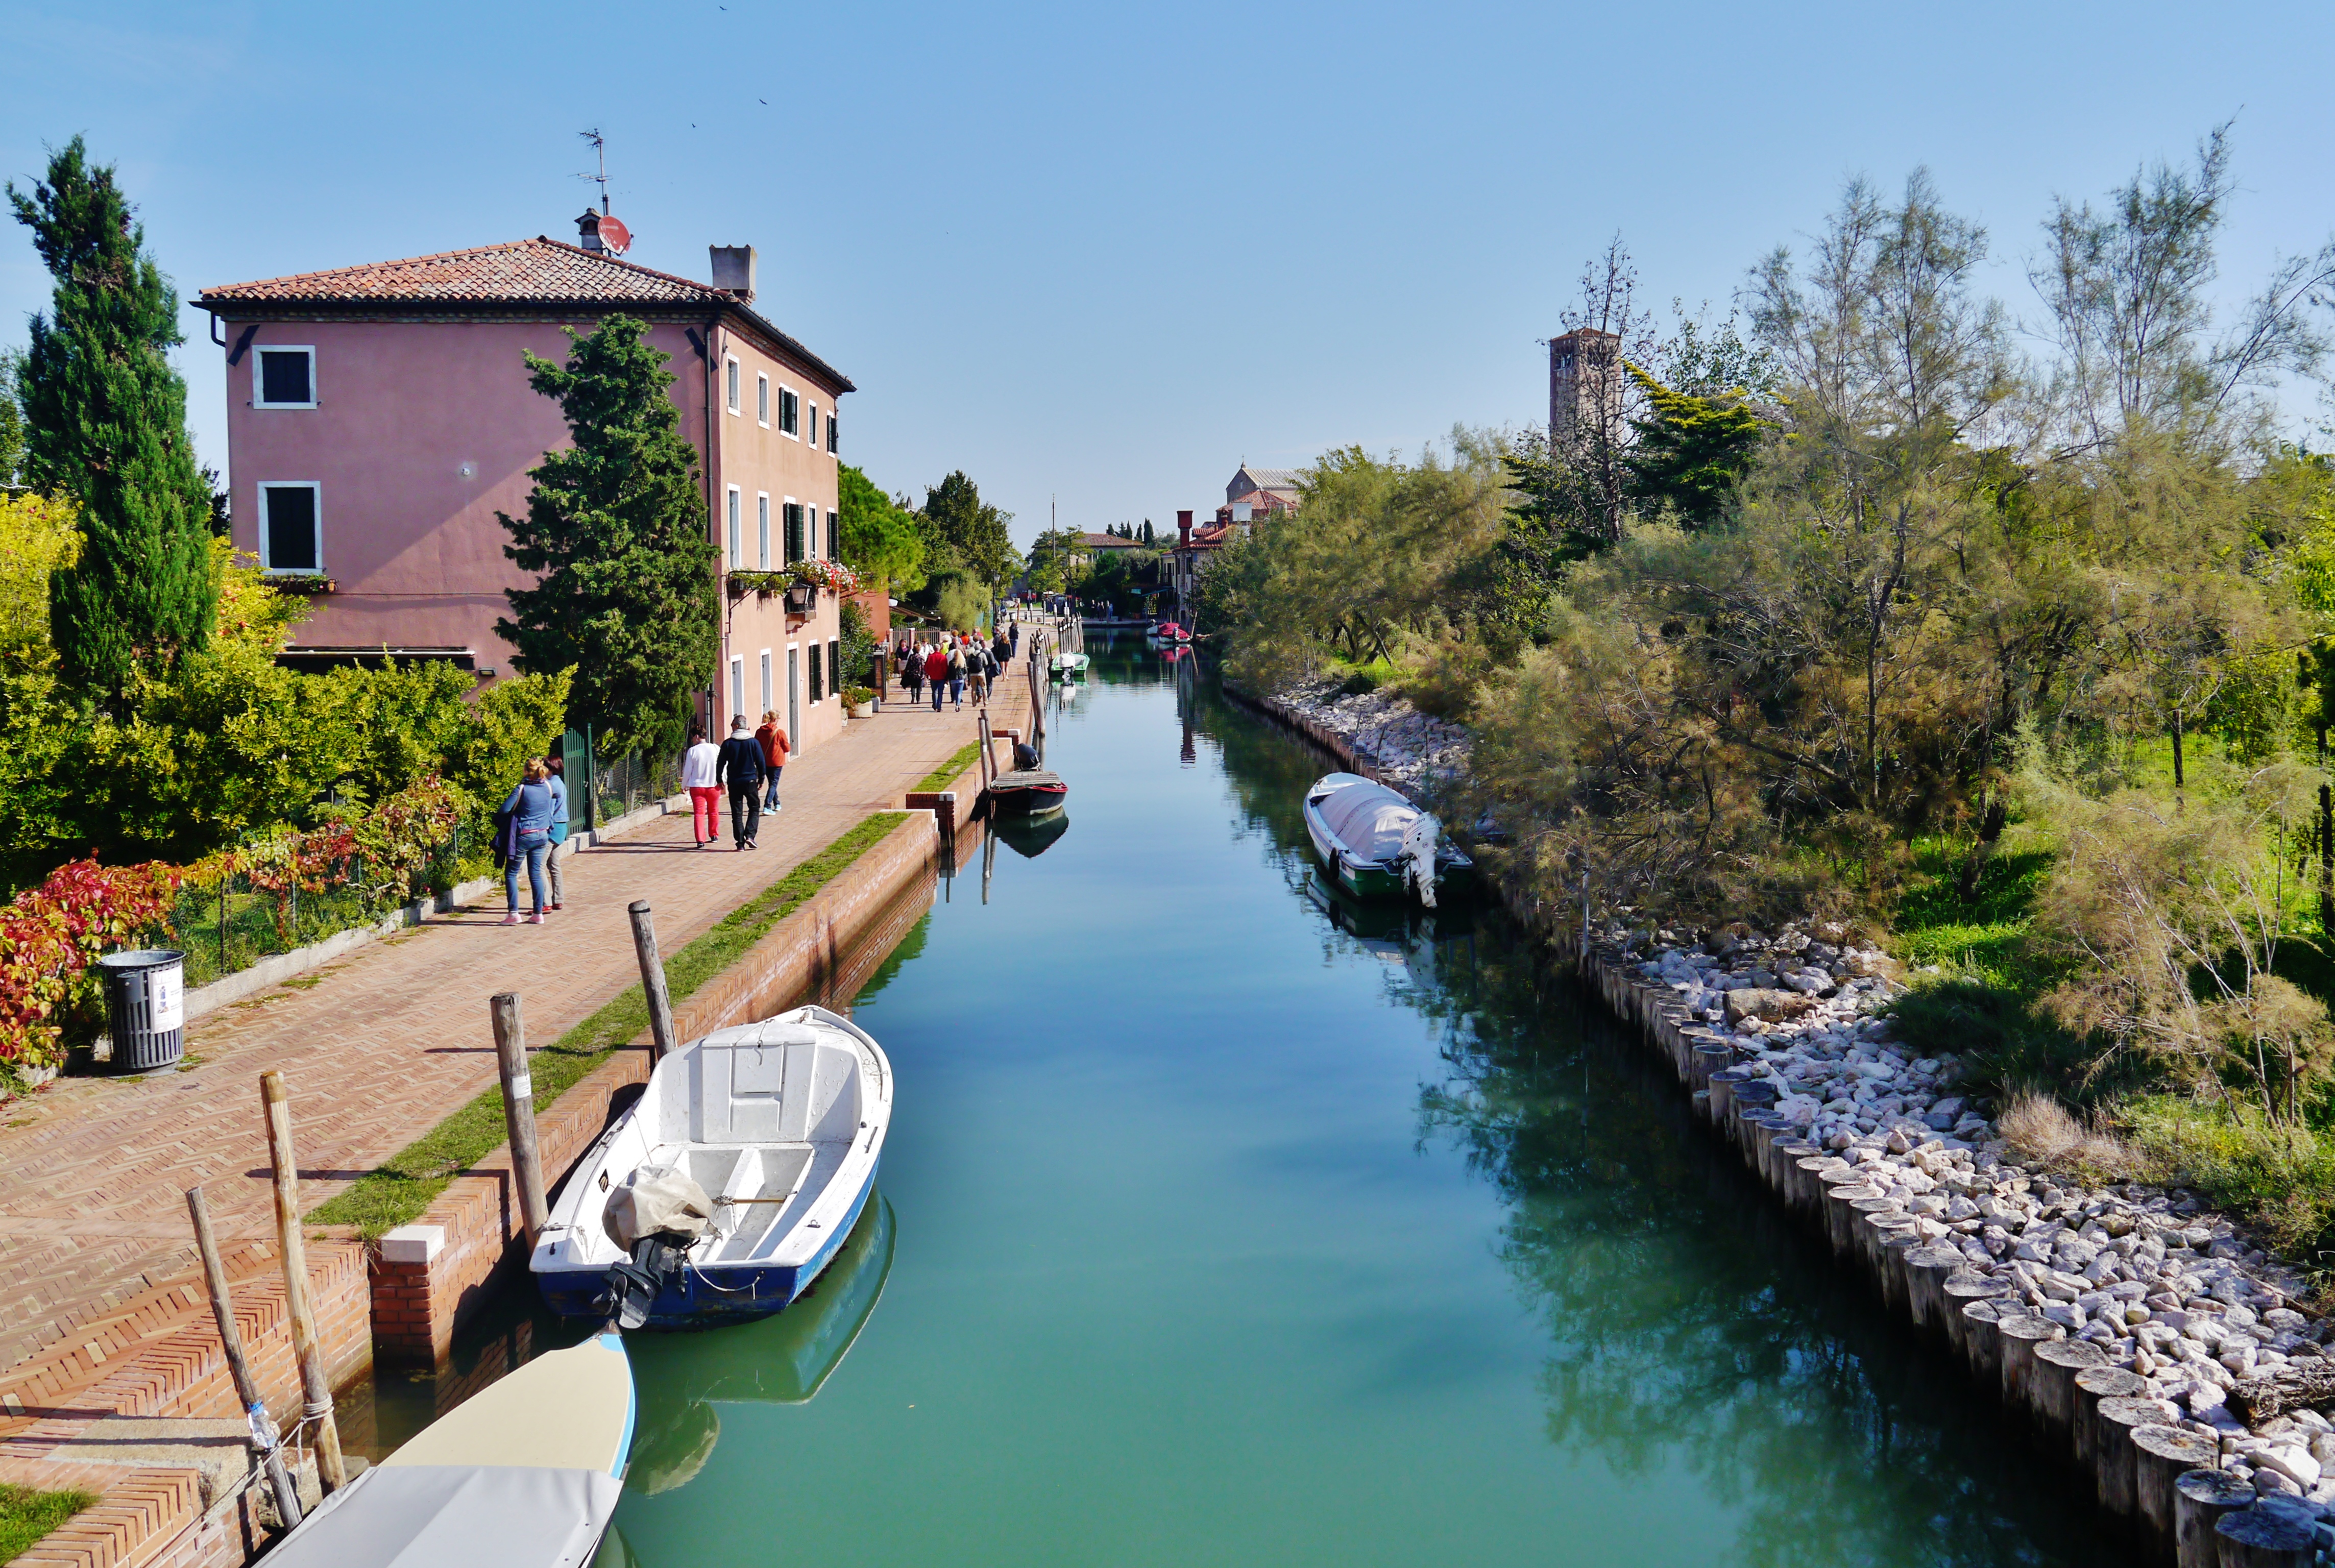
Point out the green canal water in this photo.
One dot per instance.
(1222, 1227)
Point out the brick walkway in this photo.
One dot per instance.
(381, 1046)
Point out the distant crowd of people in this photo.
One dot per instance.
(952, 663)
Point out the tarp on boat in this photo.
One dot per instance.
(1368, 819)
(456, 1516)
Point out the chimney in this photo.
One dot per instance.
(734, 269)
(1184, 530)
(589, 228)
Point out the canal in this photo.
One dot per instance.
(1225, 1227)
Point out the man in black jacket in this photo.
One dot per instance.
(740, 766)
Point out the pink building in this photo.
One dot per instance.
(380, 416)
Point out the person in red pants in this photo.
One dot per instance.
(699, 767)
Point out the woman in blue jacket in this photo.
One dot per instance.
(530, 807)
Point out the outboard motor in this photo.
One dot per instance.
(1418, 851)
(655, 1216)
(1025, 757)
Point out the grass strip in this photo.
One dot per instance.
(397, 1191)
(942, 776)
(26, 1515)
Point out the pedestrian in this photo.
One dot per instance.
(699, 776)
(955, 664)
(739, 765)
(976, 672)
(911, 672)
(1015, 640)
(555, 775)
(774, 758)
(530, 807)
(936, 674)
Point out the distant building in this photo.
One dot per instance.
(378, 416)
(1254, 492)
(1584, 384)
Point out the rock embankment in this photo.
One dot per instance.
(1411, 751)
(1793, 1028)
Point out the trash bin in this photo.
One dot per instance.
(145, 1007)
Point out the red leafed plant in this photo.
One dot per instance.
(50, 935)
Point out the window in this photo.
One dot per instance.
(284, 377)
(737, 539)
(834, 537)
(794, 525)
(762, 530)
(762, 400)
(731, 368)
(788, 407)
(817, 692)
(811, 425)
(830, 432)
(769, 696)
(290, 539)
(835, 662)
(737, 684)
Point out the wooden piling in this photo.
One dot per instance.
(1927, 1269)
(644, 945)
(2057, 1362)
(2116, 1419)
(2201, 1499)
(246, 1387)
(316, 1390)
(519, 1113)
(1962, 1287)
(2093, 1457)
(1983, 1340)
(2161, 1454)
(2021, 1334)
(2259, 1537)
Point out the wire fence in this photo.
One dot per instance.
(276, 894)
(624, 784)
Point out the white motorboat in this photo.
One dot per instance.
(730, 1184)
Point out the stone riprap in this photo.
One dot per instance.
(1795, 1023)
(1410, 749)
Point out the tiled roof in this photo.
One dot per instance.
(1272, 478)
(1109, 542)
(537, 271)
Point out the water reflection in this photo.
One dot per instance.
(780, 1359)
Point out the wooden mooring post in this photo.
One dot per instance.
(519, 1113)
(644, 943)
(264, 1443)
(316, 1390)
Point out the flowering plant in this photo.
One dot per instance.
(50, 935)
(833, 575)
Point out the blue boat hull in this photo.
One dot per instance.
(733, 1295)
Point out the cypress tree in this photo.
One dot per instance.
(105, 425)
(616, 529)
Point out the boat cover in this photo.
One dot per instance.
(1027, 779)
(456, 1516)
(1370, 820)
(656, 1200)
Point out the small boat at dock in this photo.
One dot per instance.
(730, 1184)
(1378, 844)
(1027, 792)
(525, 1473)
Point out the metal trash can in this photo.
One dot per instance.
(145, 1007)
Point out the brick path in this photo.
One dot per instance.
(381, 1046)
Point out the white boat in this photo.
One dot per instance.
(1378, 844)
(731, 1182)
(525, 1473)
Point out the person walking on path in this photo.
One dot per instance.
(555, 778)
(936, 669)
(912, 673)
(529, 809)
(1013, 641)
(774, 758)
(976, 671)
(739, 765)
(699, 776)
(956, 666)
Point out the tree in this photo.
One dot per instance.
(1691, 451)
(11, 422)
(105, 426)
(616, 529)
(965, 533)
(881, 541)
(1052, 554)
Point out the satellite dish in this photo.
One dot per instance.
(615, 235)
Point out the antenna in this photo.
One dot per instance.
(600, 146)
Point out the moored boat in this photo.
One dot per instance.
(525, 1473)
(730, 1183)
(1027, 792)
(1378, 844)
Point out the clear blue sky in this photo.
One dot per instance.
(1105, 252)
